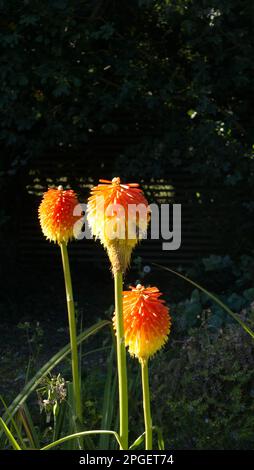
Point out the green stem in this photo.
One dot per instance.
(121, 361)
(72, 331)
(146, 405)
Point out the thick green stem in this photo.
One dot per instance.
(72, 330)
(121, 361)
(146, 405)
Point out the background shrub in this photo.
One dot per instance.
(203, 389)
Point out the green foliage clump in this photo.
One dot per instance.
(203, 395)
(162, 85)
(175, 76)
(230, 280)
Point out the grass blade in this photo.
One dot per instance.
(10, 436)
(70, 416)
(161, 444)
(28, 425)
(59, 420)
(212, 296)
(81, 434)
(108, 402)
(138, 441)
(15, 425)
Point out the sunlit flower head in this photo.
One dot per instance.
(56, 214)
(118, 216)
(146, 321)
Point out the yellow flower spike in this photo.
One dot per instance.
(56, 214)
(146, 321)
(118, 216)
(147, 324)
(57, 222)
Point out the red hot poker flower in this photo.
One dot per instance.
(146, 321)
(115, 213)
(56, 214)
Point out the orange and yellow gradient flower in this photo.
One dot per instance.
(56, 214)
(118, 215)
(57, 219)
(146, 321)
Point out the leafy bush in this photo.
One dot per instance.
(175, 75)
(207, 400)
(161, 85)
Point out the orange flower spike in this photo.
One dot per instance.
(146, 321)
(114, 220)
(56, 214)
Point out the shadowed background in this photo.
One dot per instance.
(157, 92)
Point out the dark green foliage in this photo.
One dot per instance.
(203, 392)
(177, 75)
(231, 281)
(161, 85)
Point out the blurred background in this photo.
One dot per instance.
(156, 92)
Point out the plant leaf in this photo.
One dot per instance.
(10, 436)
(81, 434)
(161, 445)
(15, 425)
(212, 296)
(138, 441)
(26, 420)
(108, 402)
